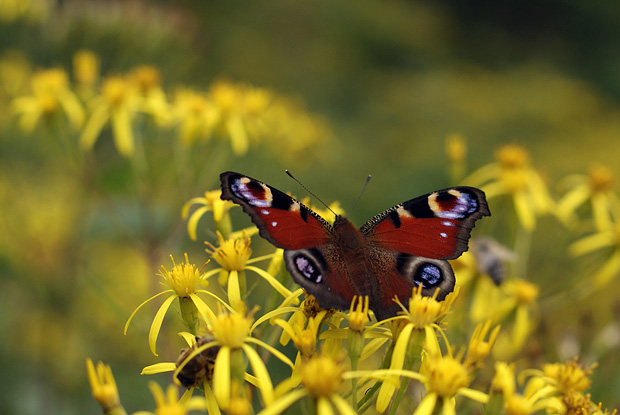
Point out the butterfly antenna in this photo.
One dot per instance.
(306, 189)
(360, 196)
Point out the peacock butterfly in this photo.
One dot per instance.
(395, 251)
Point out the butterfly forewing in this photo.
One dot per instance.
(282, 220)
(436, 225)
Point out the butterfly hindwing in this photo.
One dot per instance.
(436, 225)
(282, 220)
(322, 273)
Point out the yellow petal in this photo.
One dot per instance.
(323, 407)
(234, 292)
(93, 127)
(591, 243)
(192, 223)
(608, 271)
(204, 310)
(159, 368)
(285, 292)
(474, 395)
(140, 306)
(157, 321)
(238, 135)
(427, 406)
(525, 211)
(212, 406)
(221, 377)
(260, 371)
(123, 134)
(272, 350)
(342, 405)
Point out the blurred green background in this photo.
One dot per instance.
(388, 81)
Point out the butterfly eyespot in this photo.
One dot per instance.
(308, 268)
(428, 275)
(306, 265)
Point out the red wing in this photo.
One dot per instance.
(282, 220)
(437, 225)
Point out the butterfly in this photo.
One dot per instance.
(402, 248)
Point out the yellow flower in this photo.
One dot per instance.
(51, 95)
(520, 296)
(194, 114)
(358, 314)
(147, 81)
(597, 187)
(512, 175)
(603, 239)
(168, 403)
(118, 104)
(444, 377)
(569, 377)
(233, 255)
(104, 388)
(211, 201)
(423, 314)
(304, 334)
(183, 282)
(321, 379)
(228, 113)
(479, 348)
(233, 337)
(536, 395)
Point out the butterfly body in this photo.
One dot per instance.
(397, 250)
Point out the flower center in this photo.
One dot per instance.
(512, 156)
(233, 253)
(525, 292)
(601, 178)
(322, 376)
(446, 376)
(183, 278)
(231, 329)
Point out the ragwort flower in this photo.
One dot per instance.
(183, 281)
(444, 378)
(232, 332)
(211, 201)
(104, 388)
(422, 315)
(536, 395)
(512, 175)
(595, 187)
(322, 380)
(233, 255)
(117, 104)
(603, 239)
(168, 403)
(193, 112)
(51, 95)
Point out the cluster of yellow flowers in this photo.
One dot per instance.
(338, 355)
(237, 112)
